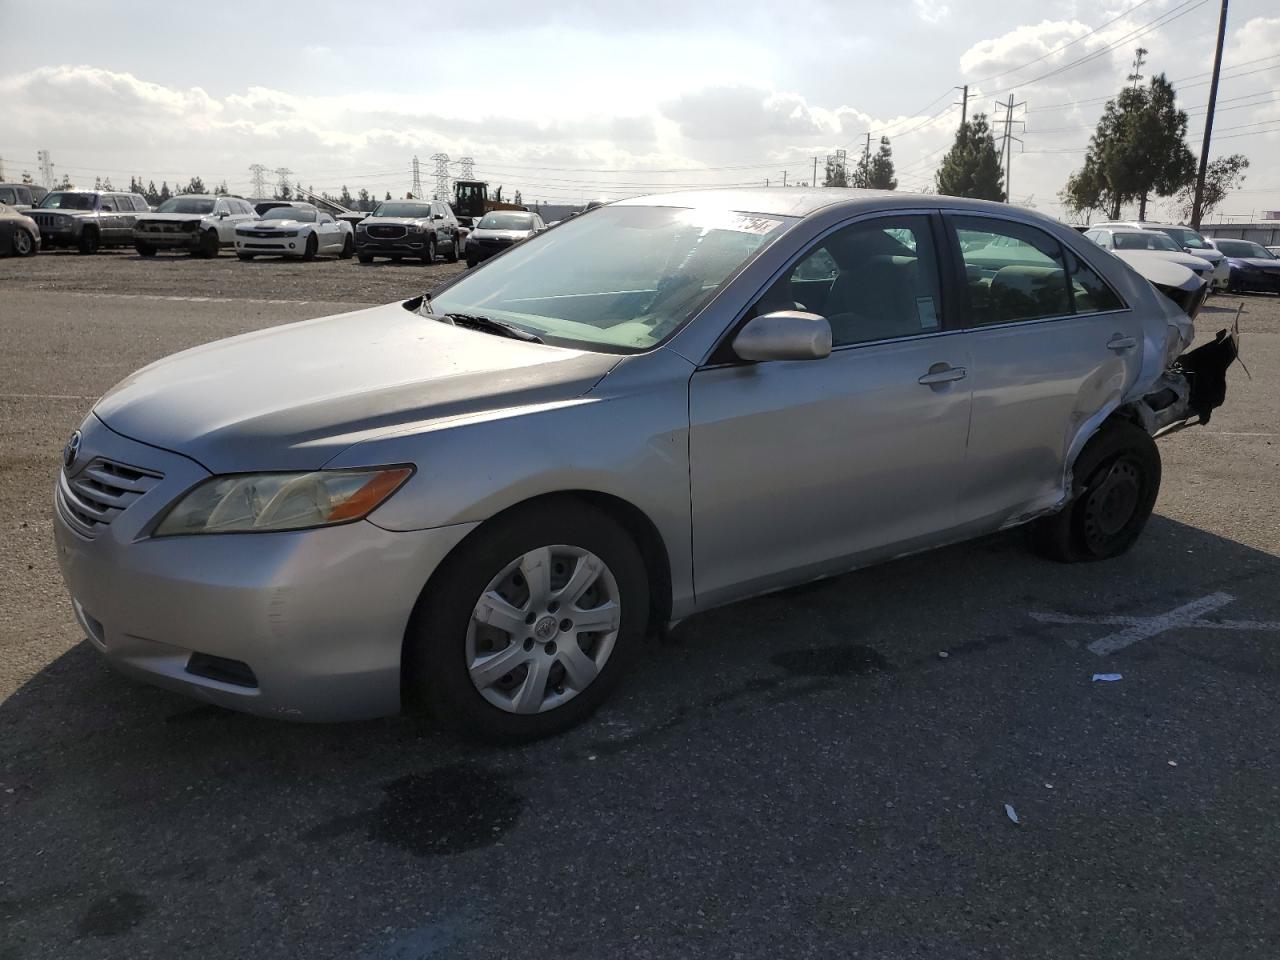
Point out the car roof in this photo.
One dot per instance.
(803, 201)
(1142, 224)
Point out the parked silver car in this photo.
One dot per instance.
(482, 499)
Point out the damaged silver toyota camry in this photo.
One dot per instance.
(481, 500)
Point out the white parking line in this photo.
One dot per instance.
(157, 296)
(1144, 628)
(43, 396)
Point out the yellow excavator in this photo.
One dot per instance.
(471, 201)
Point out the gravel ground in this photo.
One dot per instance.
(801, 775)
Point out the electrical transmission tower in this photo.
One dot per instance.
(417, 179)
(442, 175)
(46, 168)
(259, 174)
(468, 168)
(283, 174)
(836, 164)
(1006, 148)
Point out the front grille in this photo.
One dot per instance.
(100, 492)
(164, 228)
(387, 231)
(495, 242)
(267, 234)
(49, 220)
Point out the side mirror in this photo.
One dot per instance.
(223, 215)
(784, 335)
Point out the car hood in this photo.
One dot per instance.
(1256, 263)
(1161, 270)
(487, 234)
(293, 397)
(171, 217)
(395, 221)
(1213, 256)
(275, 224)
(1182, 259)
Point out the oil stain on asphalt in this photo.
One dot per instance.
(448, 810)
(113, 914)
(838, 661)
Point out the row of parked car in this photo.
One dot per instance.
(205, 225)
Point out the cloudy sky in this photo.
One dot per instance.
(605, 98)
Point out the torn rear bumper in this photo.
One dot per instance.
(1192, 388)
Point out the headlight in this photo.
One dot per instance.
(258, 502)
(416, 228)
(361, 227)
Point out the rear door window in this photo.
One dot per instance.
(1014, 272)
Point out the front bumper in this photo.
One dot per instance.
(318, 617)
(272, 246)
(59, 236)
(478, 250)
(1255, 281)
(379, 246)
(168, 241)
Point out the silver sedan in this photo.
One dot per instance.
(483, 499)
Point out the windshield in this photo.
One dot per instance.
(1144, 240)
(10, 195)
(506, 221)
(403, 210)
(290, 213)
(69, 201)
(621, 280)
(1244, 248)
(1187, 237)
(186, 205)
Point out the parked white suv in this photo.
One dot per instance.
(1189, 240)
(198, 223)
(1136, 246)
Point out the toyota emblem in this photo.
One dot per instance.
(71, 450)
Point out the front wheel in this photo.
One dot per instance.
(527, 627)
(309, 252)
(89, 241)
(429, 251)
(144, 249)
(452, 255)
(24, 244)
(1115, 484)
(209, 245)
(365, 257)
(348, 248)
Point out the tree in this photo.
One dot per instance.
(196, 185)
(836, 175)
(388, 194)
(97, 183)
(971, 168)
(365, 202)
(1137, 150)
(164, 193)
(345, 198)
(1221, 177)
(64, 183)
(517, 199)
(135, 185)
(876, 172)
(27, 178)
(284, 193)
(221, 189)
(151, 193)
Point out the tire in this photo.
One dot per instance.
(209, 246)
(348, 248)
(429, 252)
(1115, 482)
(365, 257)
(90, 241)
(144, 249)
(452, 255)
(24, 244)
(246, 256)
(445, 641)
(470, 263)
(313, 244)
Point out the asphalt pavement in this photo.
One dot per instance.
(825, 772)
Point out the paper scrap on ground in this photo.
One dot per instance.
(1012, 813)
(1108, 677)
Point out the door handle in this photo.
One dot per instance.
(1119, 344)
(945, 375)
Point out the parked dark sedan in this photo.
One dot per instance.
(1254, 268)
(408, 228)
(19, 235)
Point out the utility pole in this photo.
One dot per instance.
(1208, 122)
(964, 104)
(815, 171)
(784, 178)
(1006, 146)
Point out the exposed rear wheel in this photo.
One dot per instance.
(313, 244)
(1115, 484)
(348, 248)
(144, 249)
(529, 624)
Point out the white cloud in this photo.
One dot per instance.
(931, 11)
